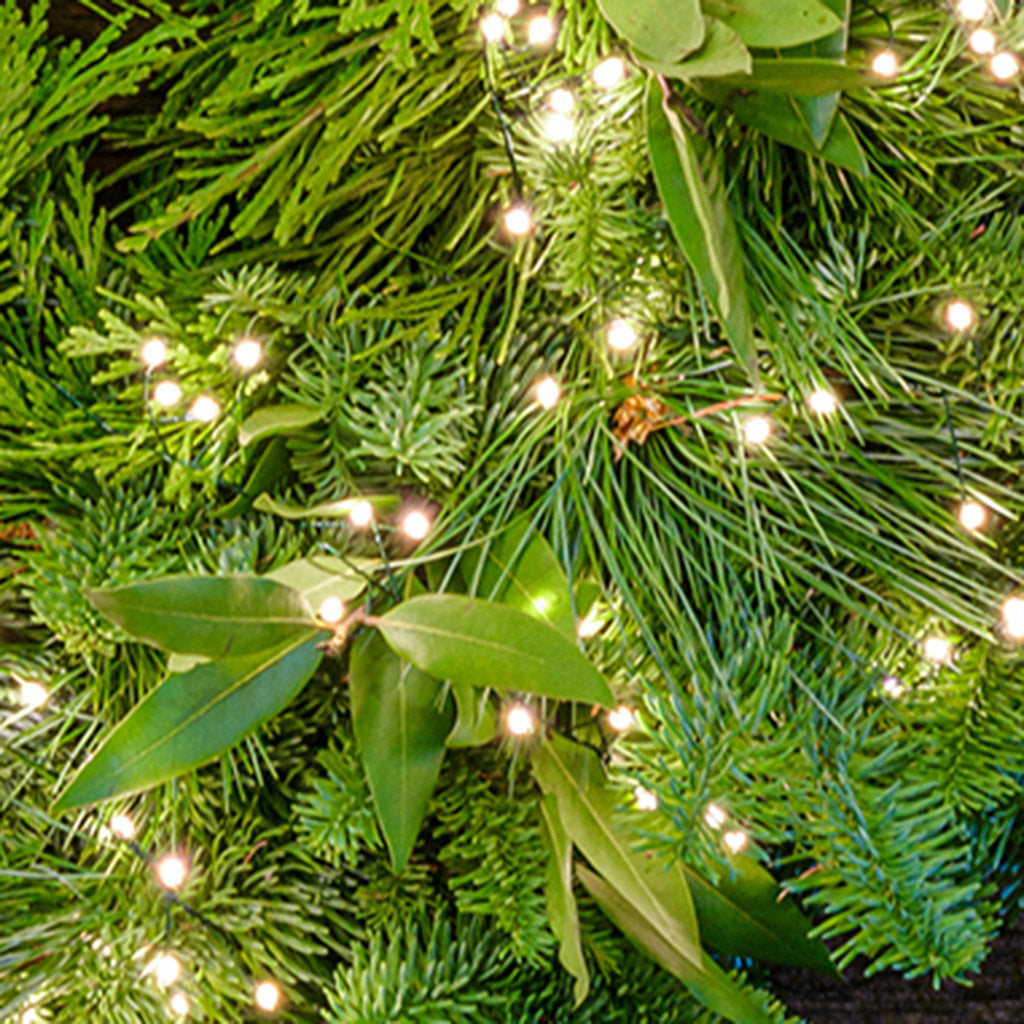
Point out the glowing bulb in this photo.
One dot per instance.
(892, 686)
(621, 336)
(166, 969)
(415, 526)
(519, 720)
(179, 1004)
(29, 1016)
(493, 28)
(972, 515)
(757, 429)
(171, 871)
(361, 514)
(822, 402)
(32, 694)
(562, 101)
(1013, 617)
(518, 220)
(734, 841)
(714, 816)
(540, 31)
(982, 41)
(167, 393)
(609, 73)
(959, 315)
(548, 392)
(559, 127)
(645, 799)
(204, 409)
(588, 627)
(1004, 65)
(267, 996)
(972, 10)
(332, 610)
(122, 826)
(938, 649)
(509, 8)
(247, 354)
(154, 353)
(885, 64)
(621, 719)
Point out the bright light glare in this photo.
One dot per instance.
(972, 10)
(267, 996)
(621, 336)
(562, 101)
(154, 353)
(735, 841)
(509, 8)
(332, 610)
(1004, 65)
(959, 315)
(519, 720)
(559, 128)
(167, 393)
(518, 220)
(247, 354)
(548, 392)
(166, 969)
(714, 816)
(122, 826)
(32, 694)
(204, 409)
(938, 649)
(972, 515)
(621, 719)
(171, 871)
(179, 1004)
(1013, 617)
(361, 514)
(885, 64)
(822, 402)
(588, 627)
(892, 686)
(541, 31)
(493, 28)
(609, 73)
(982, 41)
(645, 799)
(757, 429)
(415, 525)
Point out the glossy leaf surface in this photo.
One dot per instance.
(666, 29)
(277, 419)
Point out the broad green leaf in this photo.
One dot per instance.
(321, 576)
(269, 468)
(799, 76)
(587, 593)
(665, 29)
(723, 53)
(573, 776)
(563, 914)
(193, 717)
(698, 210)
(487, 644)
(770, 24)
(475, 720)
(401, 733)
(277, 419)
(704, 978)
(178, 663)
(328, 510)
(819, 112)
(212, 616)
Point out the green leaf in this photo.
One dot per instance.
(587, 593)
(800, 76)
(401, 733)
(212, 616)
(769, 24)
(191, 718)
(666, 29)
(705, 979)
(487, 644)
(723, 53)
(475, 720)
(573, 776)
(271, 466)
(322, 576)
(563, 914)
(277, 419)
(328, 510)
(819, 112)
(698, 210)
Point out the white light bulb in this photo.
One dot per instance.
(1013, 617)
(154, 353)
(122, 826)
(609, 73)
(32, 694)
(562, 101)
(714, 816)
(167, 393)
(885, 64)
(332, 610)
(621, 719)
(757, 429)
(822, 402)
(247, 354)
(982, 41)
(938, 649)
(559, 128)
(493, 28)
(204, 409)
(267, 996)
(892, 686)
(171, 871)
(972, 10)
(972, 515)
(166, 969)
(518, 220)
(509, 8)
(361, 514)
(588, 627)
(519, 720)
(735, 841)
(959, 315)
(645, 799)
(621, 336)
(179, 1004)
(548, 392)
(1004, 65)
(541, 30)
(415, 525)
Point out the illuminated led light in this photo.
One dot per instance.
(247, 354)
(588, 627)
(518, 220)
(714, 816)
(332, 610)
(645, 800)
(562, 101)
(32, 694)
(548, 392)
(179, 1004)
(621, 719)
(559, 128)
(361, 514)
(154, 353)
(204, 409)
(122, 826)
(982, 41)
(267, 996)
(757, 429)
(166, 969)
(735, 841)
(938, 649)
(541, 30)
(972, 10)
(621, 336)
(171, 871)
(609, 73)
(167, 393)
(972, 515)
(885, 64)
(822, 402)
(509, 8)
(1004, 65)
(959, 315)
(1013, 617)
(892, 686)
(519, 720)
(493, 28)
(415, 525)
